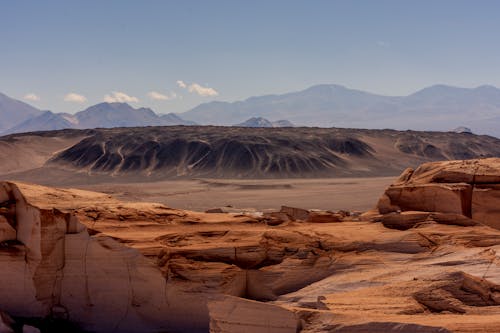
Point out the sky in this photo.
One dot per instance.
(173, 55)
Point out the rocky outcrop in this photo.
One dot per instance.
(232, 314)
(111, 266)
(55, 266)
(469, 188)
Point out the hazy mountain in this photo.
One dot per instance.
(462, 129)
(282, 123)
(320, 100)
(174, 119)
(255, 122)
(14, 112)
(438, 107)
(17, 117)
(263, 122)
(108, 115)
(46, 121)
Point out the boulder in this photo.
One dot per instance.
(465, 188)
(295, 213)
(232, 314)
(324, 217)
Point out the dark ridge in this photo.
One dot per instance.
(225, 152)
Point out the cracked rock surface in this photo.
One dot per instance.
(112, 266)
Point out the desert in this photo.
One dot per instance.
(409, 265)
(249, 166)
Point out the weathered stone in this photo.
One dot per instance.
(231, 314)
(465, 188)
(446, 198)
(323, 217)
(30, 329)
(7, 232)
(6, 323)
(295, 213)
(403, 220)
(486, 204)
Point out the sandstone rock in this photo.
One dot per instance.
(485, 204)
(30, 329)
(107, 265)
(7, 232)
(403, 220)
(6, 323)
(232, 314)
(469, 188)
(456, 291)
(446, 198)
(324, 217)
(214, 210)
(385, 327)
(295, 213)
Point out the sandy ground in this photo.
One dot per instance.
(200, 194)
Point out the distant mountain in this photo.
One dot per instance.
(435, 108)
(14, 112)
(255, 122)
(46, 121)
(320, 100)
(174, 119)
(438, 107)
(282, 123)
(18, 117)
(462, 129)
(263, 122)
(108, 115)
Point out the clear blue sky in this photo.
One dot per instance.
(239, 48)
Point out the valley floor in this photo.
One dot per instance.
(354, 194)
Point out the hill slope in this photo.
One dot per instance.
(165, 152)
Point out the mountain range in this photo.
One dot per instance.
(439, 108)
(18, 117)
(436, 108)
(263, 122)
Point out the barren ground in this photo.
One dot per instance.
(268, 194)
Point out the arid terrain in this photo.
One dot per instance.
(200, 168)
(423, 260)
(355, 194)
(181, 152)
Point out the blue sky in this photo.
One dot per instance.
(138, 51)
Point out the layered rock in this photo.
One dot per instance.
(232, 314)
(107, 266)
(470, 188)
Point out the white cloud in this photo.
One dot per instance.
(181, 84)
(74, 97)
(159, 96)
(202, 91)
(120, 97)
(31, 97)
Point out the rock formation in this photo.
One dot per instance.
(469, 188)
(424, 261)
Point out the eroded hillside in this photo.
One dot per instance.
(224, 152)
